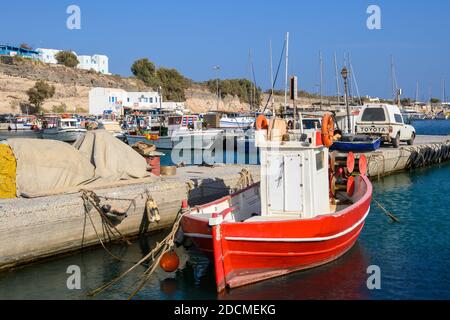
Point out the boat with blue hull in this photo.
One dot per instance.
(357, 144)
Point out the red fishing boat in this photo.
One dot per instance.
(294, 219)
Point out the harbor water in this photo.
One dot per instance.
(413, 256)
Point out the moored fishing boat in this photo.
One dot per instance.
(67, 130)
(235, 120)
(182, 132)
(287, 222)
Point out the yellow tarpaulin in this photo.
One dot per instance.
(7, 173)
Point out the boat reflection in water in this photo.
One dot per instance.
(343, 279)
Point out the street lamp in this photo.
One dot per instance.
(344, 74)
(217, 68)
(160, 98)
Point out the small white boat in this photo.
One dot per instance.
(67, 130)
(22, 123)
(235, 120)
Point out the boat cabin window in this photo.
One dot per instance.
(319, 160)
(69, 124)
(311, 123)
(373, 115)
(398, 118)
(174, 120)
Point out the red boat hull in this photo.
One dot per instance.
(249, 252)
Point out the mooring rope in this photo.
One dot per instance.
(155, 255)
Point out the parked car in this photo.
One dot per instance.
(385, 121)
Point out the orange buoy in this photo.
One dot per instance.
(350, 186)
(327, 130)
(351, 162)
(363, 165)
(262, 123)
(169, 261)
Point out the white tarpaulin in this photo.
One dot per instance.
(48, 165)
(113, 160)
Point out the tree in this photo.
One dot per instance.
(435, 101)
(242, 88)
(172, 83)
(39, 93)
(145, 70)
(67, 58)
(406, 101)
(26, 46)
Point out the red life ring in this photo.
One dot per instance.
(262, 123)
(327, 130)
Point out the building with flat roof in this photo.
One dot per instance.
(12, 51)
(97, 62)
(107, 100)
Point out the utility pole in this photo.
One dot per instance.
(338, 93)
(217, 68)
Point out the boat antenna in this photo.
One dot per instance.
(276, 75)
(338, 89)
(255, 85)
(287, 69)
(271, 80)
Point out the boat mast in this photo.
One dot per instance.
(443, 91)
(321, 79)
(394, 80)
(287, 66)
(352, 73)
(417, 92)
(338, 93)
(350, 77)
(271, 79)
(251, 82)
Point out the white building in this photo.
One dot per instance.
(98, 63)
(106, 100)
(48, 55)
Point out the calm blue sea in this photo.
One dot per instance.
(413, 256)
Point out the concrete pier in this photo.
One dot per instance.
(426, 151)
(32, 229)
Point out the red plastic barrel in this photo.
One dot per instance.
(155, 163)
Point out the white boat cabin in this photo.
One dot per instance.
(294, 177)
(68, 123)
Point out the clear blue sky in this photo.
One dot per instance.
(195, 35)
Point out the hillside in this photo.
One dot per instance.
(73, 85)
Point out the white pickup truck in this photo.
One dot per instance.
(386, 121)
